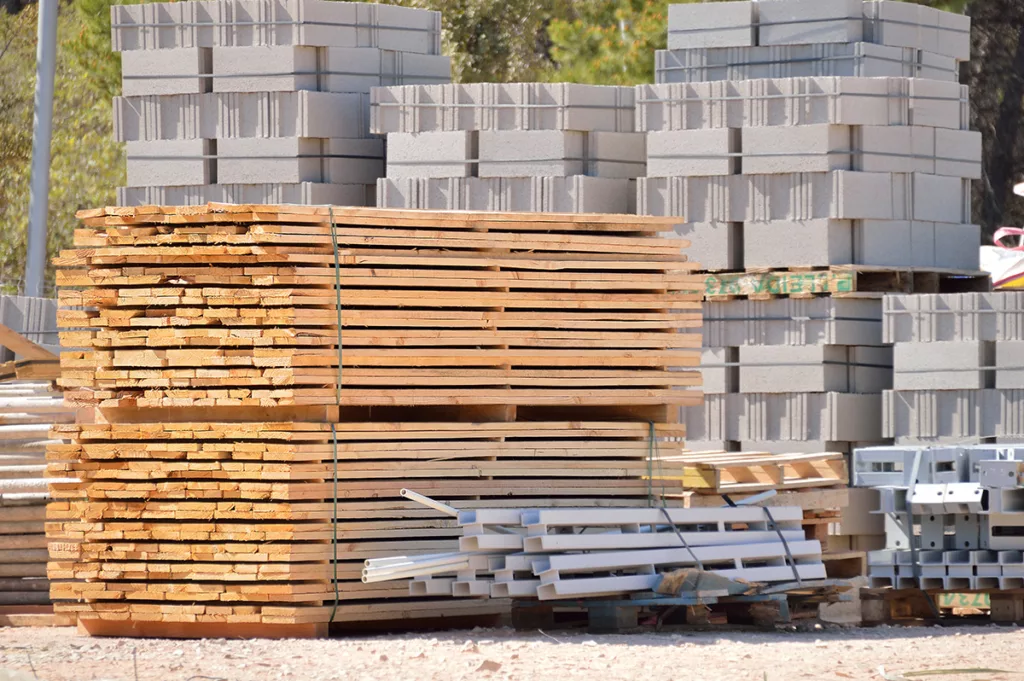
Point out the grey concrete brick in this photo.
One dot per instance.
(810, 243)
(955, 246)
(240, 23)
(799, 446)
(431, 154)
(715, 245)
(166, 72)
(578, 194)
(958, 153)
(720, 24)
(954, 317)
(802, 101)
(796, 416)
(800, 61)
(798, 149)
(893, 23)
(814, 369)
(532, 153)
(803, 22)
(325, 69)
(224, 115)
(305, 193)
(293, 160)
(957, 365)
(681, 153)
(954, 34)
(1009, 357)
(894, 149)
(793, 321)
(616, 154)
(717, 376)
(925, 416)
(503, 106)
(941, 199)
(902, 243)
(171, 162)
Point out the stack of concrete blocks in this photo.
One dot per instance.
(959, 368)
(520, 147)
(953, 516)
(822, 166)
(262, 101)
(790, 375)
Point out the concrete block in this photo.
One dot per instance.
(938, 104)
(806, 416)
(302, 194)
(800, 61)
(720, 24)
(796, 446)
(925, 416)
(1009, 362)
(955, 246)
(954, 35)
(431, 154)
(893, 23)
(793, 321)
(800, 149)
(282, 22)
(956, 365)
(171, 162)
(532, 153)
(325, 69)
(166, 72)
(682, 153)
(715, 245)
(617, 155)
(295, 160)
(803, 22)
(814, 369)
(941, 199)
(717, 371)
(958, 153)
(896, 243)
(579, 194)
(894, 149)
(953, 317)
(810, 243)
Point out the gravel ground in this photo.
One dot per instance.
(499, 654)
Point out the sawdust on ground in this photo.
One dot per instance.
(880, 654)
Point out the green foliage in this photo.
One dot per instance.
(86, 163)
(609, 41)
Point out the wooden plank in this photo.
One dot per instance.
(20, 345)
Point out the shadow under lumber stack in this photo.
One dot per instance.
(488, 360)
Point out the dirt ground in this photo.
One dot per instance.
(882, 654)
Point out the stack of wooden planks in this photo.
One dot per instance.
(260, 382)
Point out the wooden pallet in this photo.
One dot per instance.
(841, 281)
(485, 359)
(913, 606)
(747, 472)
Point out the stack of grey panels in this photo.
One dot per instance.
(811, 171)
(799, 38)
(953, 515)
(520, 147)
(788, 375)
(262, 101)
(959, 368)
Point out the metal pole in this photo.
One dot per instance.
(39, 196)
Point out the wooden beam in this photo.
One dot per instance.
(20, 345)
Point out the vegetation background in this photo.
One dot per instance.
(586, 41)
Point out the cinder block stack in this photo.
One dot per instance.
(254, 101)
(522, 147)
(959, 368)
(815, 148)
(952, 516)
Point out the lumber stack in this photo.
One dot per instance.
(265, 380)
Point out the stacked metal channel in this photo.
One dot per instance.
(797, 137)
(953, 516)
(521, 147)
(262, 101)
(959, 368)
